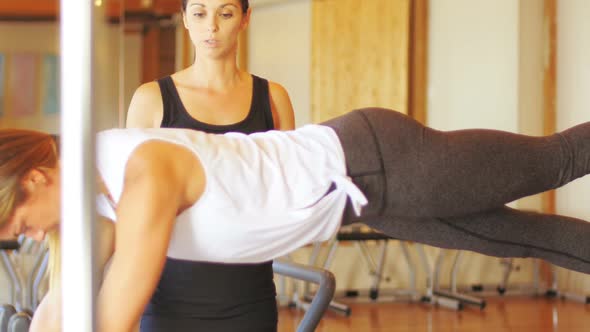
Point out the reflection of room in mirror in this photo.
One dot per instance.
(2, 57)
(50, 84)
(22, 80)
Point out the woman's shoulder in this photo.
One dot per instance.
(146, 106)
(148, 90)
(281, 106)
(273, 87)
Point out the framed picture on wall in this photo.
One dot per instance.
(22, 84)
(50, 83)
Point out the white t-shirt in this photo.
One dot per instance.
(266, 194)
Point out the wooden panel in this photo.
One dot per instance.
(418, 76)
(159, 52)
(167, 53)
(143, 8)
(188, 50)
(49, 9)
(359, 55)
(167, 7)
(549, 103)
(550, 85)
(151, 54)
(243, 50)
(29, 9)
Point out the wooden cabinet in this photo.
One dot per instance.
(29, 10)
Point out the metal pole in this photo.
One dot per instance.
(77, 166)
(122, 50)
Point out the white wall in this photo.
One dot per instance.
(573, 107)
(486, 71)
(573, 86)
(473, 64)
(486, 63)
(280, 50)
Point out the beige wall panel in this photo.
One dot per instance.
(359, 55)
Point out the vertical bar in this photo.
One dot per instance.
(550, 85)
(418, 58)
(549, 101)
(77, 160)
(151, 53)
(242, 49)
(122, 51)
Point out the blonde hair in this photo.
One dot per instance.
(54, 246)
(21, 151)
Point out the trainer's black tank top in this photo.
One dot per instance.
(258, 119)
(197, 296)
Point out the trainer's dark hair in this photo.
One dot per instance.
(245, 5)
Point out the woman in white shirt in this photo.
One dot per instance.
(375, 166)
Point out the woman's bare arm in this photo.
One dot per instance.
(281, 107)
(47, 317)
(161, 179)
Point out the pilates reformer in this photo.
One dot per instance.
(25, 288)
(435, 295)
(450, 297)
(534, 288)
(13, 320)
(321, 301)
(16, 317)
(360, 236)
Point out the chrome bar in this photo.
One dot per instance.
(77, 165)
(321, 301)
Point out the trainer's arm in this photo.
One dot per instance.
(146, 108)
(281, 107)
(155, 191)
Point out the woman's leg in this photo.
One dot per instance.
(410, 170)
(448, 189)
(502, 232)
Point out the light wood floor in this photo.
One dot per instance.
(510, 314)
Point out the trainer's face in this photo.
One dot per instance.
(214, 25)
(39, 211)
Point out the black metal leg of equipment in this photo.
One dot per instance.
(9, 245)
(327, 285)
(6, 311)
(554, 291)
(19, 322)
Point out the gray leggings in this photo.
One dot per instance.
(449, 189)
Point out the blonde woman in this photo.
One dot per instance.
(274, 192)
